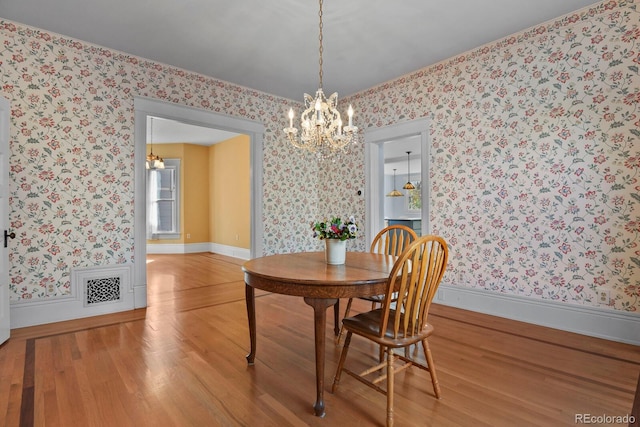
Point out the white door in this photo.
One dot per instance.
(4, 220)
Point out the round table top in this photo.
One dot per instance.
(307, 274)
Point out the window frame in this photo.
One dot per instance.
(175, 233)
(414, 194)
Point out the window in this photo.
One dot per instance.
(163, 201)
(414, 198)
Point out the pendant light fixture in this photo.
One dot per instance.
(409, 185)
(153, 161)
(322, 130)
(394, 193)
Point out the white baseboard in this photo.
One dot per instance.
(232, 251)
(178, 248)
(592, 321)
(140, 296)
(192, 248)
(24, 315)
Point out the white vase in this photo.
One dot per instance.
(335, 251)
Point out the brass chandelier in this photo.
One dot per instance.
(322, 131)
(153, 161)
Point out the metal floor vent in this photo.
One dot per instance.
(108, 284)
(106, 289)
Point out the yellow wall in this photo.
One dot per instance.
(230, 192)
(215, 192)
(195, 190)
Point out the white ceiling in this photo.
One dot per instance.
(165, 131)
(272, 46)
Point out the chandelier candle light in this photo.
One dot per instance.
(322, 130)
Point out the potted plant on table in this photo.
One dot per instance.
(335, 232)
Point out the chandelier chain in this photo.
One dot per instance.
(320, 49)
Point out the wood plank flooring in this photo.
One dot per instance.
(181, 362)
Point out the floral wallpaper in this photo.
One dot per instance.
(535, 156)
(72, 145)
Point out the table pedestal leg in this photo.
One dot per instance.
(249, 294)
(320, 306)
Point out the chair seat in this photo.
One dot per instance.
(368, 325)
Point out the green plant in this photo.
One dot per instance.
(335, 229)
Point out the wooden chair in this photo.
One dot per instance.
(391, 240)
(415, 278)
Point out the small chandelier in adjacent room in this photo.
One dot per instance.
(409, 185)
(394, 193)
(322, 130)
(153, 161)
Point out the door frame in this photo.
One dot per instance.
(151, 107)
(5, 311)
(374, 170)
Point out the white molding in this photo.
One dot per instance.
(144, 107)
(5, 153)
(592, 321)
(374, 139)
(139, 297)
(23, 315)
(231, 251)
(72, 306)
(192, 248)
(177, 248)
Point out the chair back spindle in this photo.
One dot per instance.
(393, 240)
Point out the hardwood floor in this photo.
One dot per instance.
(181, 362)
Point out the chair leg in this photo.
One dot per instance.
(346, 314)
(432, 368)
(390, 378)
(343, 357)
(336, 317)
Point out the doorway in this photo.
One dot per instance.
(403, 183)
(375, 139)
(144, 108)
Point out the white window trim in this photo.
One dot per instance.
(169, 164)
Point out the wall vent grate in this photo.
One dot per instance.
(102, 290)
(101, 285)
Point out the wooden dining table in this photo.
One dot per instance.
(321, 285)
